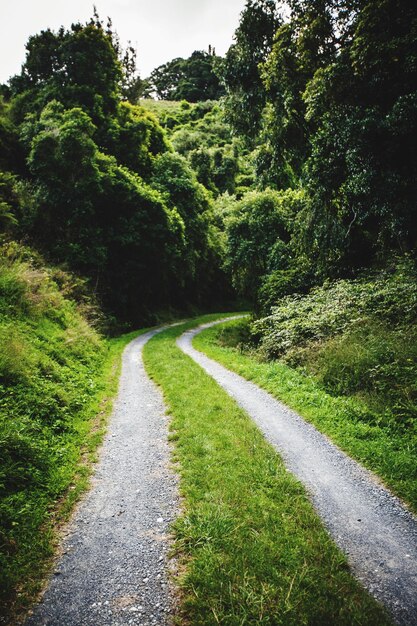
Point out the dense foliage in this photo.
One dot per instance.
(357, 337)
(201, 133)
(304, 171)
(241, 71)
(83, 179)
(331, 108)
(193, 79)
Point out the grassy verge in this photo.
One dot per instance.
(390, 454)
(252, 548)
(35, 527)
(57, 379)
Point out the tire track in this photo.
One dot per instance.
(113, 570)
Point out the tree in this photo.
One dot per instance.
(331, 106)
(78, 67)
(134, 137)
(310, 41)
(258, 236)
(109, 199)
(362, 170)
(240, 71)
(64, 162)
(200, 275)
(191, 79)
(99, 218)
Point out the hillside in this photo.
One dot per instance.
(57, 374)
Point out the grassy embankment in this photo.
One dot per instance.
(252, 548)
(57, 379)
(368, 426)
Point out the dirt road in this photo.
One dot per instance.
(113, 570)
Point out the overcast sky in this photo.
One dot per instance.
(160, 29)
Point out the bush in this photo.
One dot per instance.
(280, 283)
(356, 337)
(334, 308)
(374, 361)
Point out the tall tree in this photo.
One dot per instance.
(192, 79)
(362, 171)
(240, 71)
(100, 218)
(308, 42)
(78, 67)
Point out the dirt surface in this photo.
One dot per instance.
(370, 525)
(113, 570)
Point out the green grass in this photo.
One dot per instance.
(57, 380)
(392, 454)
(251, 548)
(160, 105)
(31, 517)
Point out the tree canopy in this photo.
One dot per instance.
(193, 79)
(331, 108)
(91, 179)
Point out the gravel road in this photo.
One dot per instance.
(113, 570)
(378, 535)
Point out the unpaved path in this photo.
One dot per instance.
(370, 525)
(113, 570)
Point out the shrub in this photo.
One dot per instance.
(374, 361)
(335, 307)
(356, 337)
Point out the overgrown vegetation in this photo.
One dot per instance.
(200, 133)
(357, 337)
(57, 376)
(254, 549)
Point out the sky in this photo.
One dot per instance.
(160, 30)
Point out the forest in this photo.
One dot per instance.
(280, 179)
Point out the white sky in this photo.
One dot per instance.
(160, 30)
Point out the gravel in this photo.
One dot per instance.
(376, 532)
(114, 564)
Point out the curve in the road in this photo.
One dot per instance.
(378, 535)
(113, 568)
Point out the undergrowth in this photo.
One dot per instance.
(251, 548)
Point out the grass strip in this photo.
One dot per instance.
(251, 547)
(47, 507)
(391, 455)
